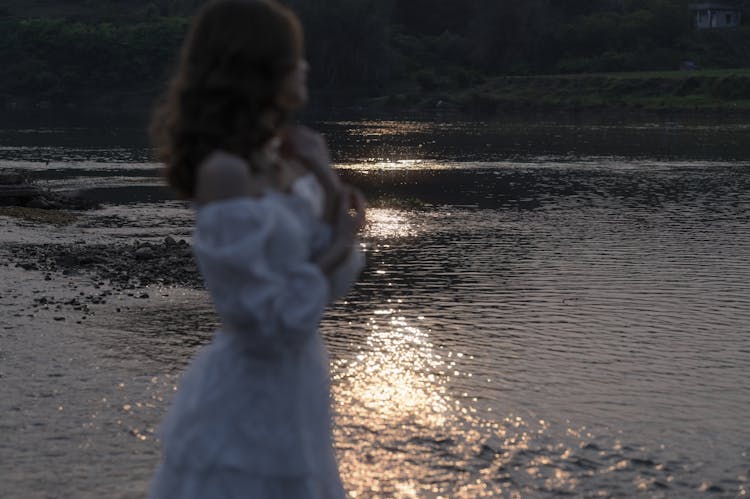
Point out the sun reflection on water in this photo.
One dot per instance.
(402, 432)
(398, 375)
(392, 405)
(382, 164)
(390, 393)
(385, 128)
(384, 223)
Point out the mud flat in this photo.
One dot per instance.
(121, 265)
(84, 385)
(16, 190)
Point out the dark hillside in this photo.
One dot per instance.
(97, 10)
(105, 53)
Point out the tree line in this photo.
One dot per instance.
(362, 47)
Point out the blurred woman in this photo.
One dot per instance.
(275, 240)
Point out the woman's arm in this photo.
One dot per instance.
(350, 218)
(345, 206)
(308, 147)
(224, 176)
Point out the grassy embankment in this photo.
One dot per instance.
(704, 90)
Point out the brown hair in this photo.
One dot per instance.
(230, 70)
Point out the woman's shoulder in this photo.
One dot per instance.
(223, 176)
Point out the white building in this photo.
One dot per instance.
(715, 15)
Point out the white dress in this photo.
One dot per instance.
(251, 418)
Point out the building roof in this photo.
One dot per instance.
(714, 6)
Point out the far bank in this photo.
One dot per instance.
(710, 92)
(700, 94)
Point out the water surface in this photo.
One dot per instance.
(547, 309)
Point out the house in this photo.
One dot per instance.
(715, 15)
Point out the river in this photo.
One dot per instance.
(548, 308)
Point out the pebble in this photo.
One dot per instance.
(114, 268)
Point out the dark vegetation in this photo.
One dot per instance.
(392, 53)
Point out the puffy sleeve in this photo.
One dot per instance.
(259, 272)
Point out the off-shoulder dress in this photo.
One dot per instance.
(251, 417)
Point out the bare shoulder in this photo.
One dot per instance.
(223, 176)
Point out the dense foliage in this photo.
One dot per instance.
(66, 51)
(56, 59)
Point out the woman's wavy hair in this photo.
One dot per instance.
(230, 70)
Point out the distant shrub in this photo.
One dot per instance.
(482, 103)
(44, 58)
(731, 87)
(688, 86)
(426, 80)
(461, 78)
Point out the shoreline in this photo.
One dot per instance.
(702, 94)
(563, 115)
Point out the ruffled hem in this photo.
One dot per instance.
(227, 483)
(269, 416)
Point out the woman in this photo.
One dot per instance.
(275, 242)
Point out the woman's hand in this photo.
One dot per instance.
(309, 148)
(350, 218)
(305, 145)
(351, 215)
